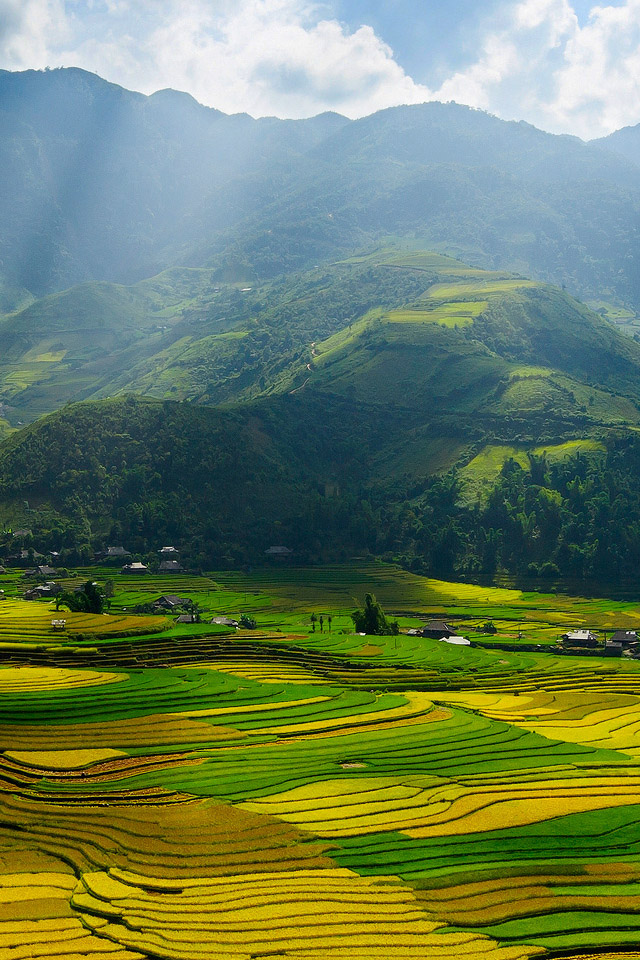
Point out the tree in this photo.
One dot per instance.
(88, 600)
(371, 619)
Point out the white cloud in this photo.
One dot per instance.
(535, 61)
(28, 30)
(542, 65)
(260, 56)
(599, 84)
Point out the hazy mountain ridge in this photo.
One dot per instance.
(99, 176)
(102, 183)
(625, 142)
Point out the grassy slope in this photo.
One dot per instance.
(88, 339)
(442, 327)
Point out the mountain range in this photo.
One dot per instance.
(338, 335)
(100, 183)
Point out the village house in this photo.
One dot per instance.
(437, 630)
(135, 567)
(580, 638)
(278, 553)
(168, 553)
(44, 591)
(170, 566)
(457, 641)
(627, 638)
(225, 621)
(612, 648)
(43, 570)
(113, 553)
(25, 556)
(170, 601)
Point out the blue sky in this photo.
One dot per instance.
(569, 66)
(431, 39)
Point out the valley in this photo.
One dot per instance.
(319, 532)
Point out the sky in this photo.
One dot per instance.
(567, 66)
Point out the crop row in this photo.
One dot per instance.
(319, 913)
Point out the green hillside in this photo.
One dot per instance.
(396, 403)
(184, 334)
(483, 343)
(414, 328)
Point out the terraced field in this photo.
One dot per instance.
(23, 621)
(290, 793)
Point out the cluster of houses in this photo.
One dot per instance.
(439, 630)
(171, 603)
(46, 587)
(169, 560)
(613, 645)
(620, 641)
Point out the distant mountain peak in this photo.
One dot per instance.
(179, 98)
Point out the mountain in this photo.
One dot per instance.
(96, 177)
(184, 335)
(397, 382)
(625, 142)
(103, 184)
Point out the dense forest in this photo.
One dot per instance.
(224, 485)
(579, 518)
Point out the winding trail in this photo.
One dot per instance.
(303, 385)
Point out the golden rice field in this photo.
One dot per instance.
(308, 796)
(30, 621)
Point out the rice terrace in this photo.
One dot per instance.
(193, 790)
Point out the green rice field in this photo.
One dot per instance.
(186, 791)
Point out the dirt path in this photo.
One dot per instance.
(303, 385)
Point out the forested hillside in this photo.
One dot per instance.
(327, 479)
(398, 404)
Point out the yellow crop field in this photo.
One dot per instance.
(312, 913)
(62, 759)
(52, 678)
(284, 792)
(477, 290)
(29, 621)
(446, 314)
(592, 718)
(437, 807)
(263, 672)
